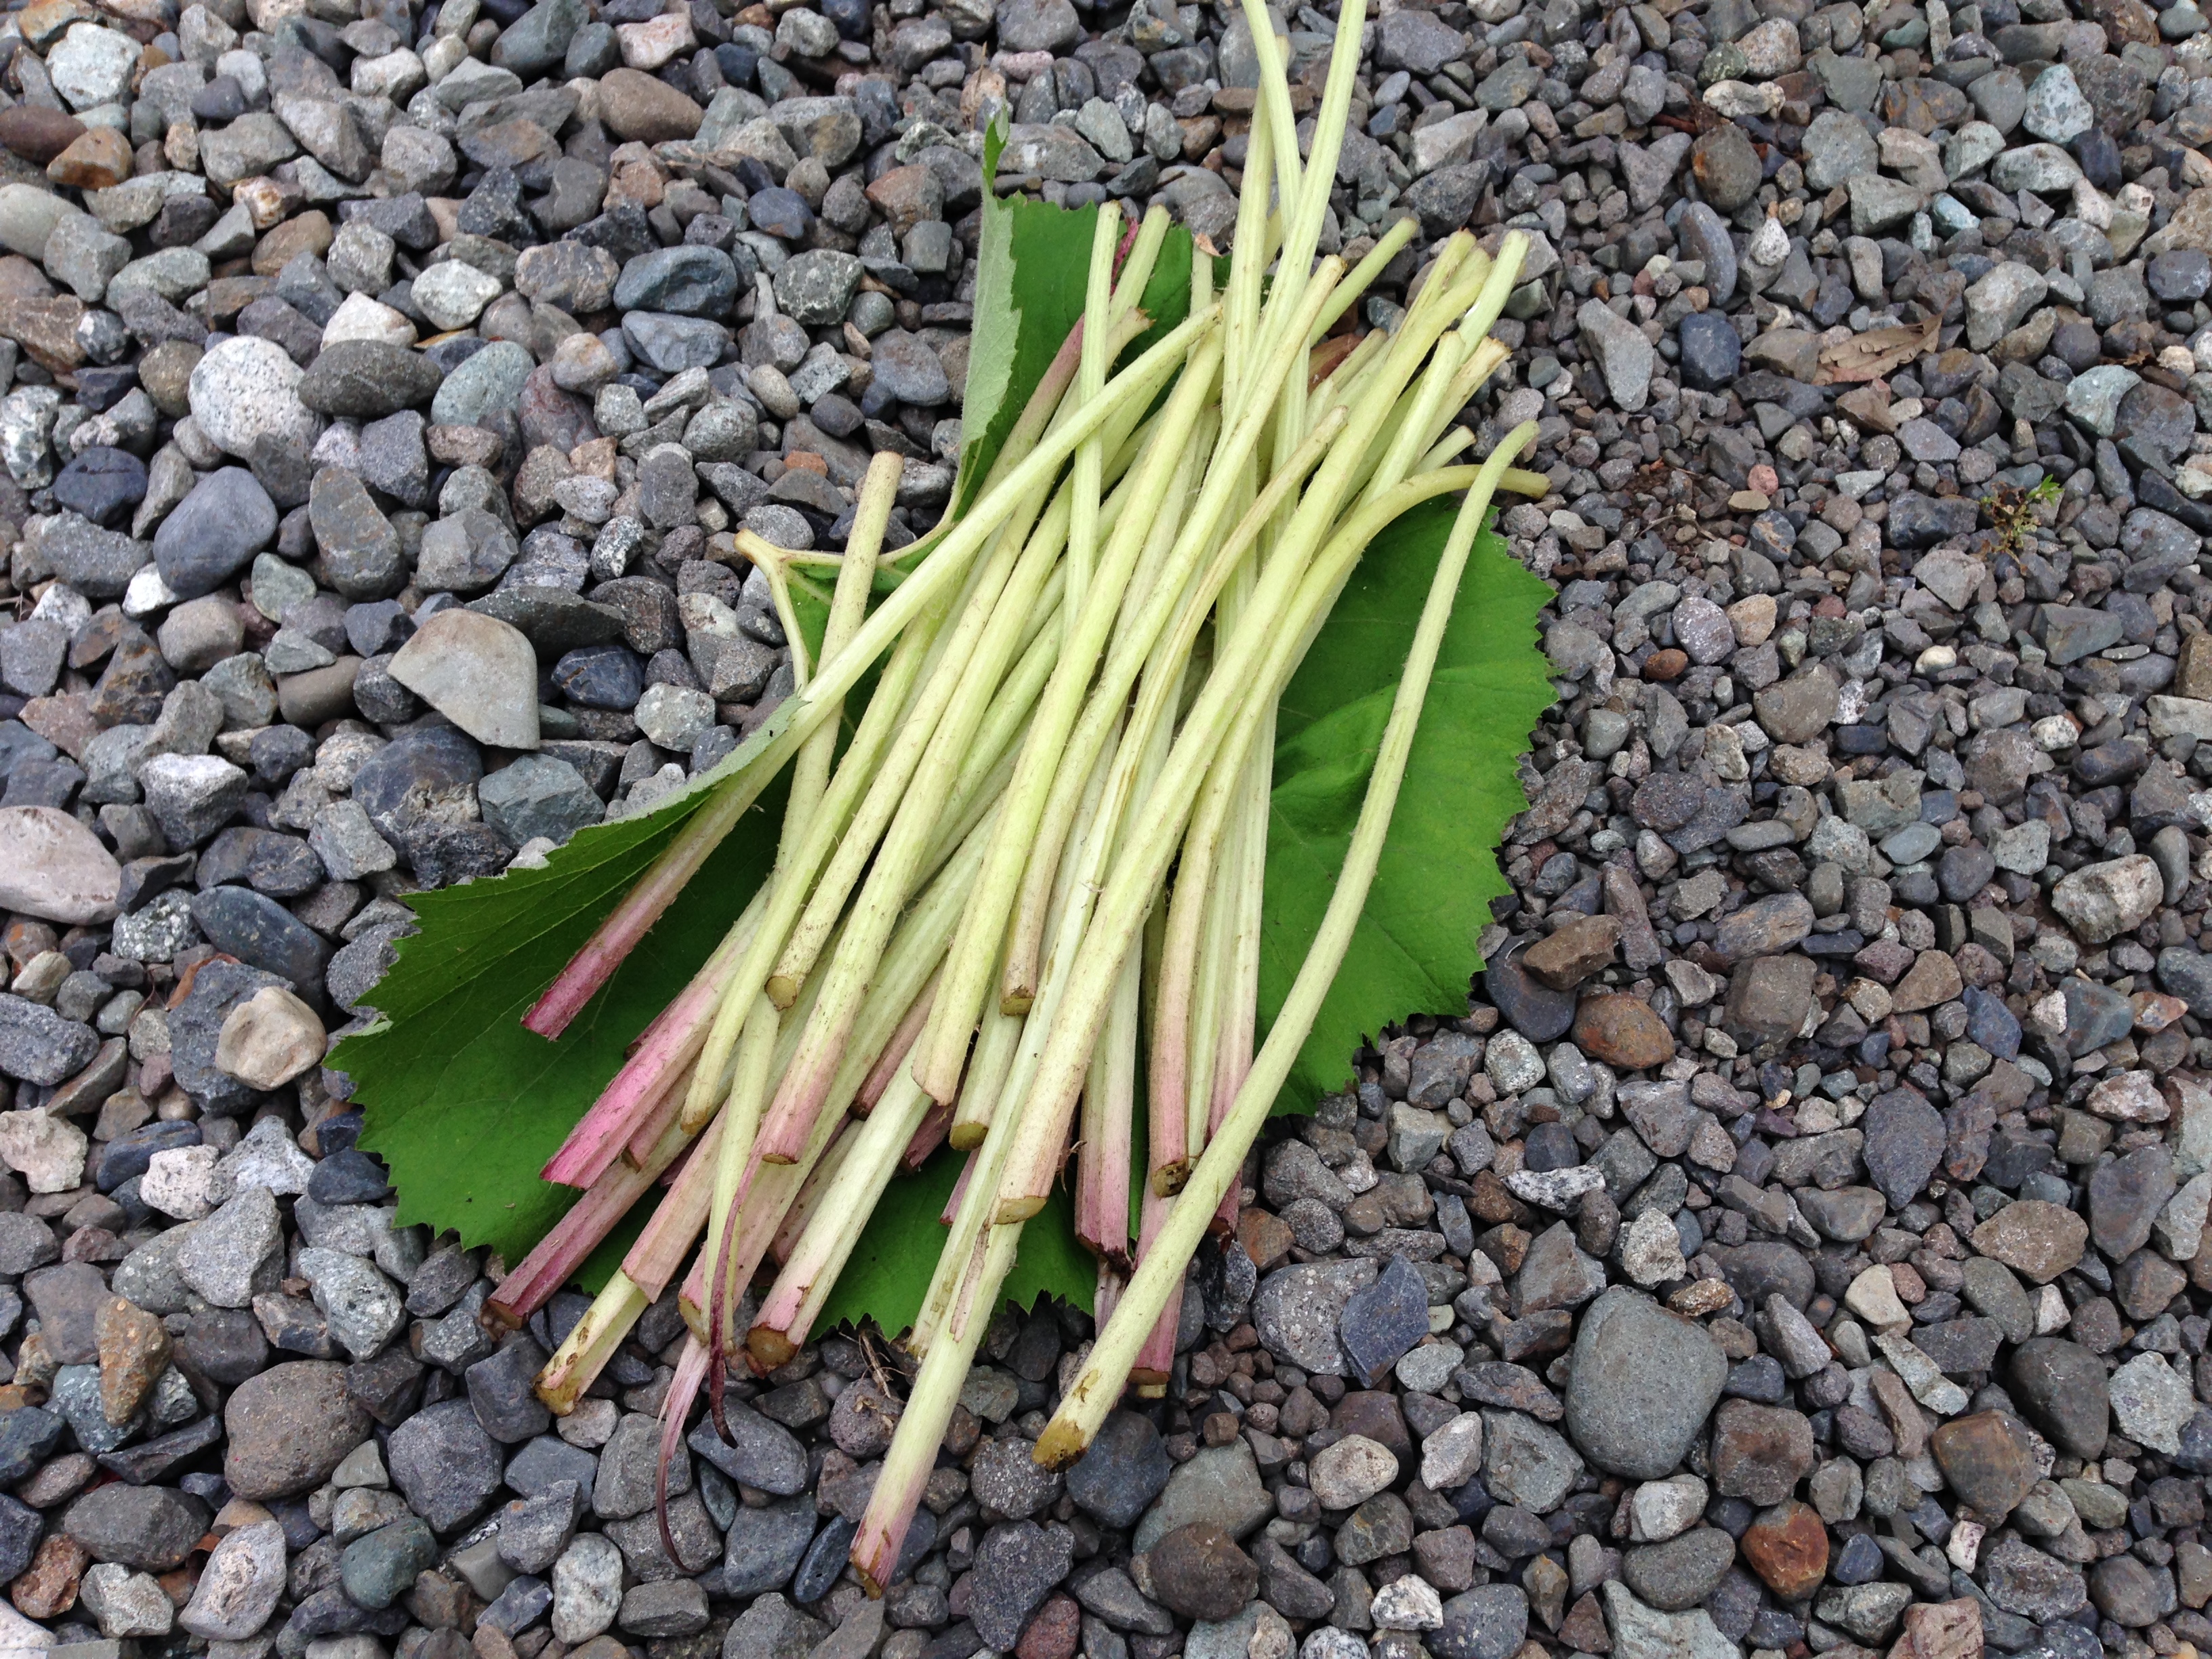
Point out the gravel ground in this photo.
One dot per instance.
(1796, 1246)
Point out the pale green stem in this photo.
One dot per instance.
(1089, 381)
(590, 1342)
(913, 1454)
(1097, 1390)
(1387, 248)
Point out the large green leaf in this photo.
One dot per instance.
(465, 1104)
(1414, 950)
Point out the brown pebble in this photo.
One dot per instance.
(1787, 1547)
(1053, 1629)
(1622, 1030)
(1565, 959)
(1666, 665)
(1199, 1571)
(47, 1588)
(98, 158)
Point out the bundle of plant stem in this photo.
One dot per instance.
(1033, 874)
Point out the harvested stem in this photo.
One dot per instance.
(1084, 1405)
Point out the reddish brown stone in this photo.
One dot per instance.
(37, 134)
(1198, 1571)
(1787, 1547)
(1666, 664)
(1584, 1630)
(1565, 959)
(1265, 1238)
(47, 1588)
(1622, 1030)
(98, 158)
(1053, 1629)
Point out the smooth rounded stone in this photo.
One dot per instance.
(367, 379)
(378, 1570)
(690, 280)
(1989, 1459)
(52, 867)
(286, 1429)
(1711, 350)
(262, 933)
(476, 671)
(247, 390)
(214, 532)
(491, 380)
(1198, 1572)
(241, 1584)
(636, 105)
(1680, 1573)
(1489, 1622)
(1622, 1032)
(445, 1463)
(1642, 1381)
(103, 484)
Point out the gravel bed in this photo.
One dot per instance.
(1797, 1246)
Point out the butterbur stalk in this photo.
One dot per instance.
(819, 1253)
(590, 1342)
(913, 1453)
(1084, 1405)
